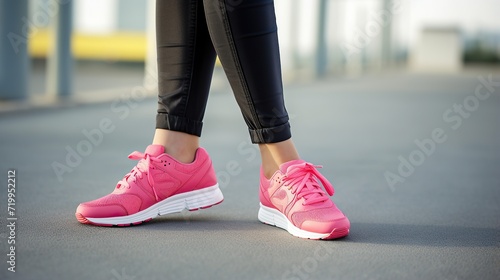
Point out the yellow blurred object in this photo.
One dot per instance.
(120, 46)
(123, 46)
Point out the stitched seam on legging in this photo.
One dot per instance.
(237, 63)
(193, 12)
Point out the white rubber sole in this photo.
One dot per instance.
(276, 218)
(193, 200)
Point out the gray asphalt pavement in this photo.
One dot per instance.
(415, 161)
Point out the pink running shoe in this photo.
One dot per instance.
(158, 185)
(294, 200)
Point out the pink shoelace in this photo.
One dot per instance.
(302, 179)
(143, 167)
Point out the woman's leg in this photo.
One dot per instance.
(186, 60)
(292, 192)
(275, 154)
(244, 34)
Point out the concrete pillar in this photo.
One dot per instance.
(387, 35)
(60, 59)
(14, 60)
(321, 52)
(151, 67)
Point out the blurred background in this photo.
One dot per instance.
(368, 84)
(89, 49)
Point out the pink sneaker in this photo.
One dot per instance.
(293, 200)
(158, 185)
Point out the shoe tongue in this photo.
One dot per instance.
(155, 150)
(284, 166)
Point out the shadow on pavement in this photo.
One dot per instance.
(424, 235)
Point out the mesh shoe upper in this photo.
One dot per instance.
(156, 177)
(295, 190)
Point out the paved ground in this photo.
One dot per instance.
(437, 218)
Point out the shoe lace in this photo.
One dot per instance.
(144, 166)
(302, 180)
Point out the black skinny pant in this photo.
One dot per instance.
(243, 33)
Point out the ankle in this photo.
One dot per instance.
(269, 168)
(181, 146)
(182, 154)
(275, 154)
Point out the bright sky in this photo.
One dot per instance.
(470, 15)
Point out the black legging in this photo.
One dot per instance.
(243, 34)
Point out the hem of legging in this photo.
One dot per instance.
(177, 123)
(271, 134)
